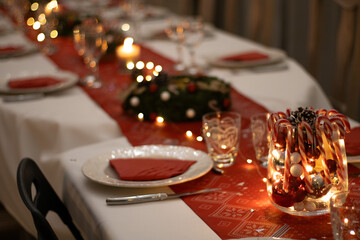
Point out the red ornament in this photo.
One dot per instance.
(280, 197)
(299, 195)
(332, 165)
(152, 116)
(191, 87)
(153, 88)
(226, 103)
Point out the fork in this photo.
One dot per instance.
(281, 231)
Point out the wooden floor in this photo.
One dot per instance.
(10, 229)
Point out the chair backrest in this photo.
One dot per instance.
(45, 200)
(345, 94)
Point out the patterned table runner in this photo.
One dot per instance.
(242, 208)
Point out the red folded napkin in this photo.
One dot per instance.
(35, 82)
(352, 142)
(145, 169)
(10, 49)
(246, 56)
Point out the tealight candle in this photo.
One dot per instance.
(128, 52)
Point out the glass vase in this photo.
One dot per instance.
(307, 160)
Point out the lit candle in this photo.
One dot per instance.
(128, 51)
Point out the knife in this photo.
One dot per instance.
(153, 197)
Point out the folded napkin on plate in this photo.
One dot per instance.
(352, 142)
(34, 82)
(246, 56)
(10, 49)
(144, 169)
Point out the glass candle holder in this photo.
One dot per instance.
(307, 160)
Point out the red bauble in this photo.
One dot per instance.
(295, 183)
(280, 197)
(153, 88)
(332, 165)
(226, 103)
(191, 87)
(152, 116)
(299, 195)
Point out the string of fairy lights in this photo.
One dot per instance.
(41, 19)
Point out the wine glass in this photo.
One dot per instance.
(193, 33)
(174, 31)
(95, 45)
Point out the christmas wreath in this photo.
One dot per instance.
(177, 98)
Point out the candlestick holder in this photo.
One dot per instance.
(307, 161)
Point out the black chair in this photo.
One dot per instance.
(45, 200)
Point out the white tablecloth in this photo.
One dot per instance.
(63, 129)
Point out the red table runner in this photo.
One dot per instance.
(242, 208)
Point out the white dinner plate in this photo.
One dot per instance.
(98, 169)
(68, 80)
(275, 55)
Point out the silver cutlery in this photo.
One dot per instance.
(281, 231)
(153, 197)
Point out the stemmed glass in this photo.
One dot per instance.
(174, 30)
(193, 32)
(95, 45)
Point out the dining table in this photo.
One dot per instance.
(63, 129)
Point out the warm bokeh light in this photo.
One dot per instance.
(54, 34)
(148, 78)
(158, 68)
(155, 73)
(141, 116)
(40, 37)
(30, 21)
(34, 6)
(159, 119)
(309, 168)
(140, 78)
(36, 25)
(264, 180)
(130, 65)
(189, 133)
(249, 161)
(140, 65)
(199, 138)
(150, 65)
(125, 27)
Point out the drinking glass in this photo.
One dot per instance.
(221, 132)
(193, 32)
(174, 30)
(95, 45)
(345, 215)
(260, 137)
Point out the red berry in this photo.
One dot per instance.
(152, 116)
(153, 88)
(226, 103)
(191, 87)
(299, 195)
(332, 165)
(280, 197)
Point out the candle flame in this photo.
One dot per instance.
(128, 44)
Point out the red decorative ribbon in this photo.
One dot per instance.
(242, 208)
